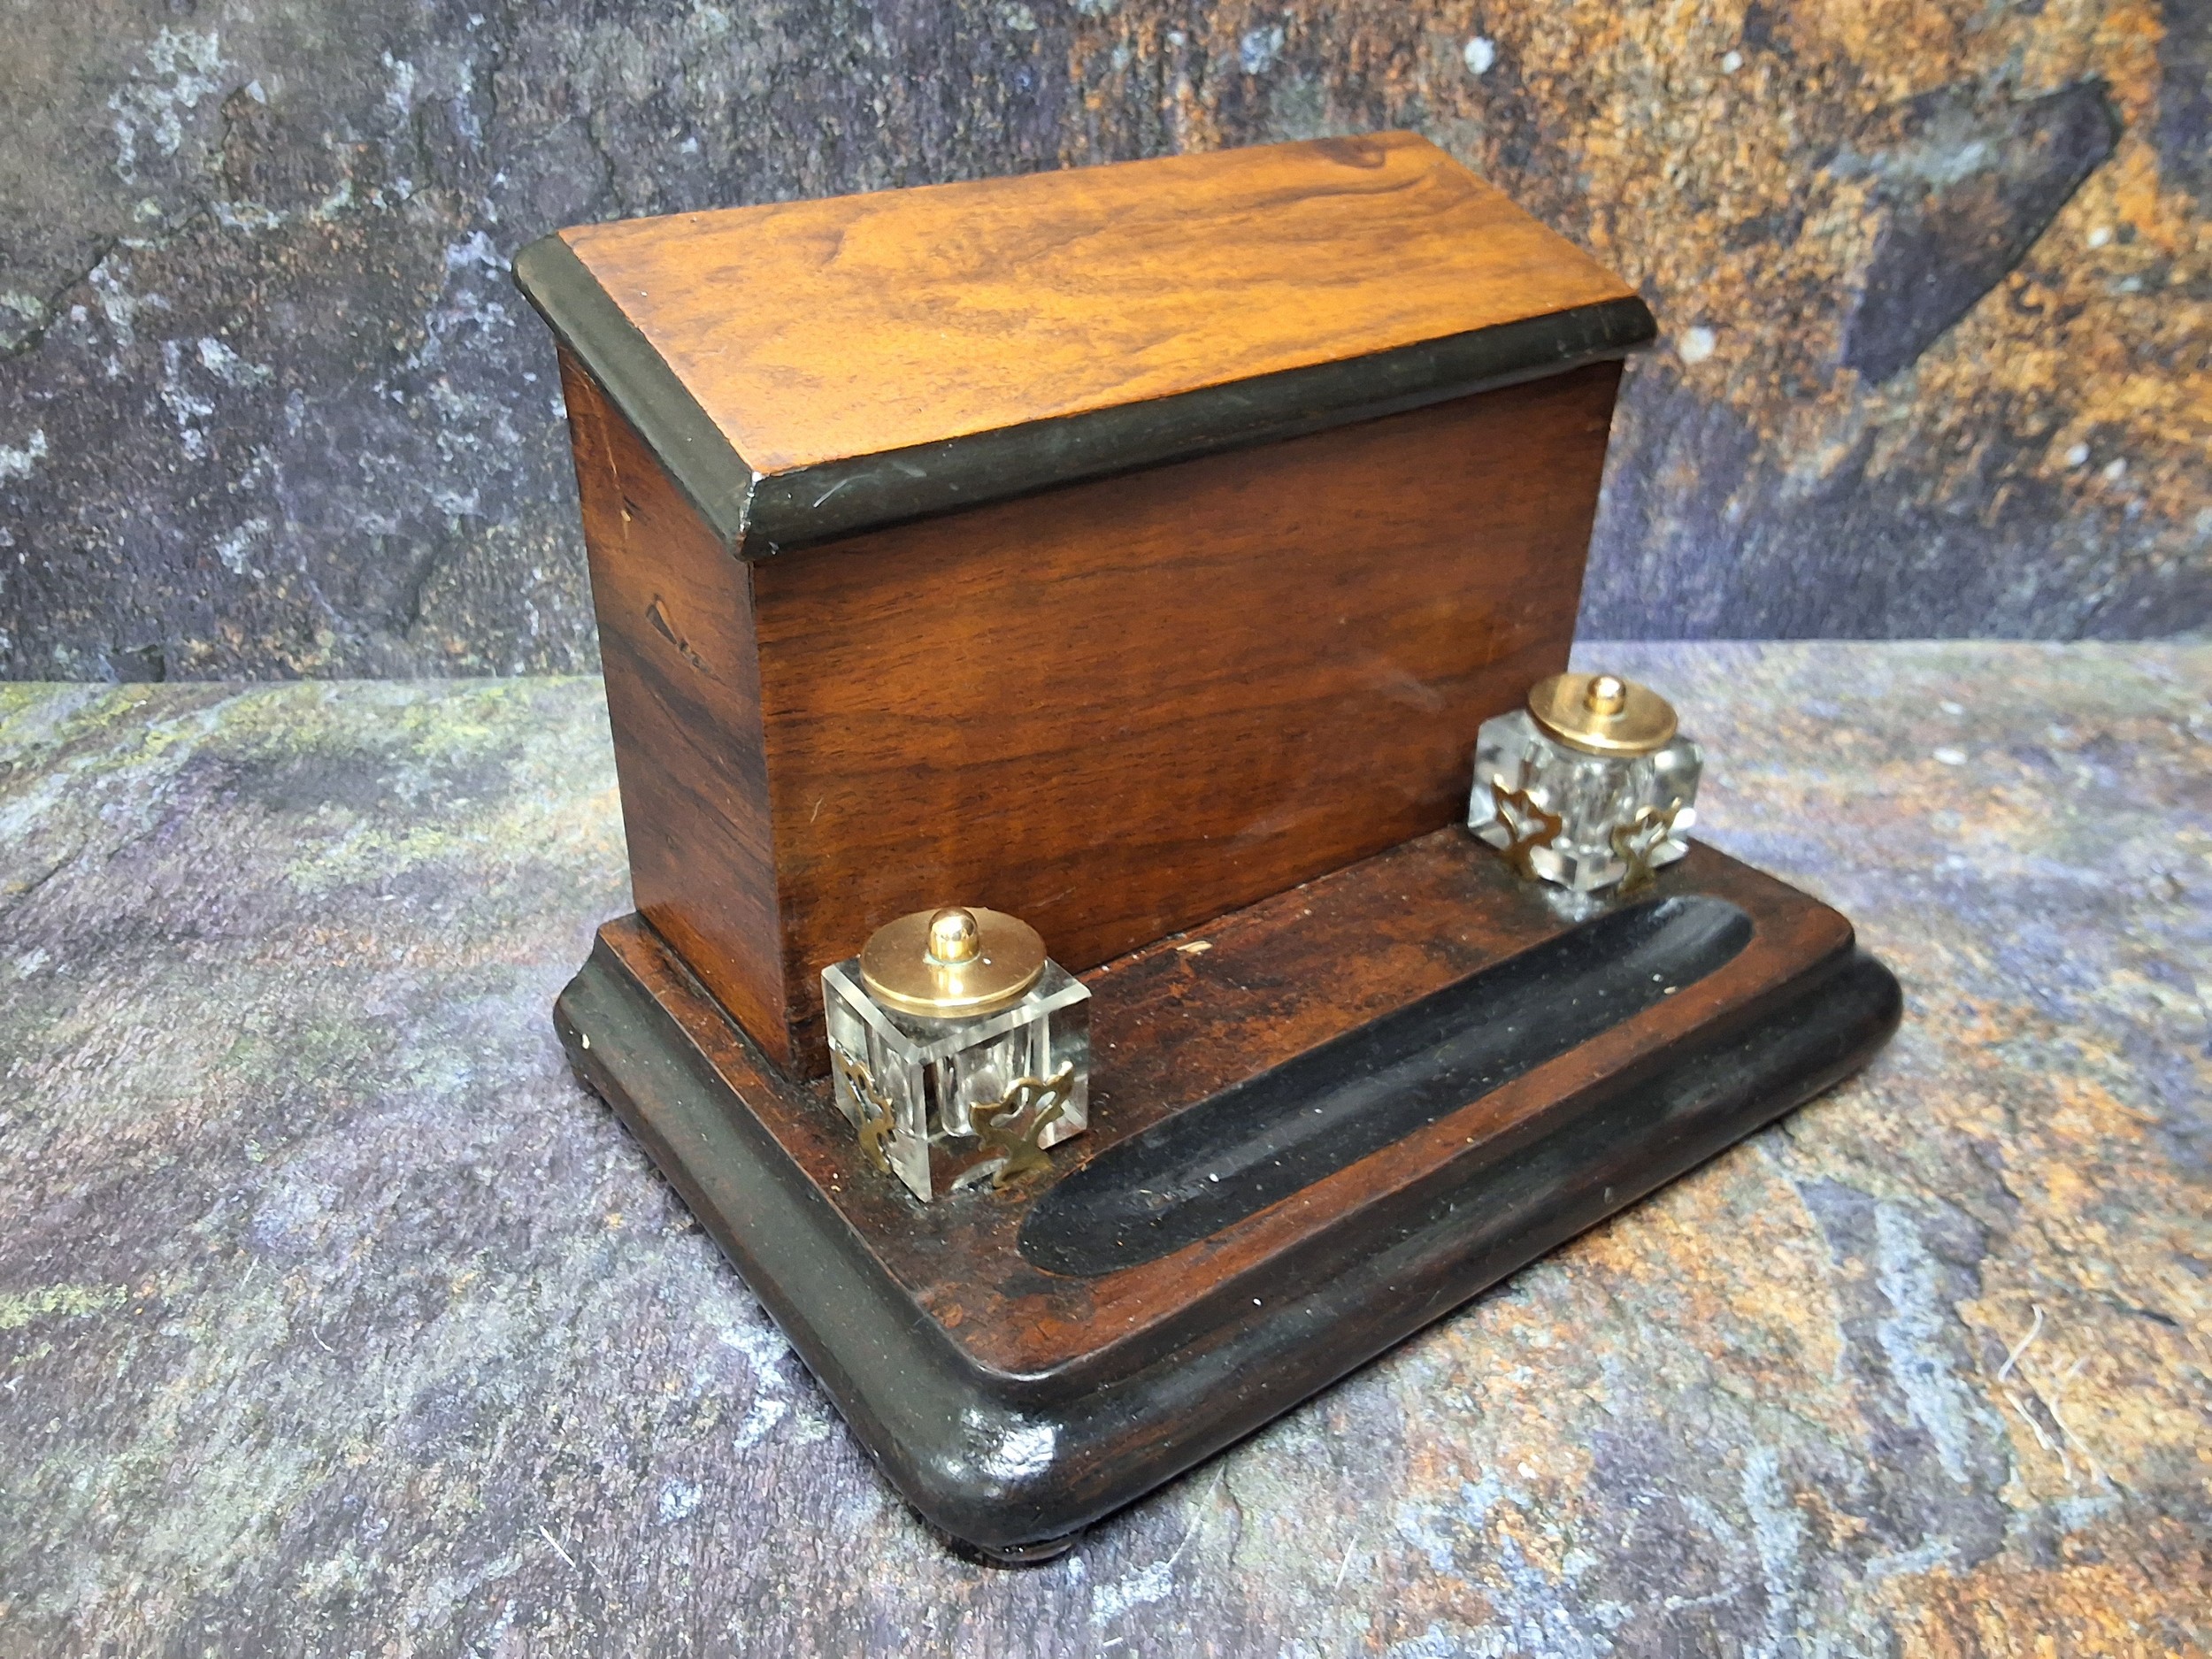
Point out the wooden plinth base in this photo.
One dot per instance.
(1315, 1127)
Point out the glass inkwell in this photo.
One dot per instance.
(1590, 787)
(958, 1049)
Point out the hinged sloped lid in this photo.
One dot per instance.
(810, 369)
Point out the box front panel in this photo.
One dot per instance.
(1121, 709)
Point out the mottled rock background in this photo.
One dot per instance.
(1934, 277)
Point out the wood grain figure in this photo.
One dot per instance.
(1150, 539)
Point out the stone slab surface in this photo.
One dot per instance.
(335, 1319)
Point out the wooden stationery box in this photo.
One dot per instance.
(1113, 547)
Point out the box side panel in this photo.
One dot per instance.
(1124, 707)
(683, 693)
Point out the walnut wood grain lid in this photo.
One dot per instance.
(957, 962)
(809, 370)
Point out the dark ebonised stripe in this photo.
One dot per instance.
(1234, 1153)
(640, 383)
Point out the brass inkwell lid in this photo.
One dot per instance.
(952, 963)
(1602, 714)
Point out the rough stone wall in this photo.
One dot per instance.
(1934, 277)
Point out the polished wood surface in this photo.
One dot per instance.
(1170, 1026)
(683, 695)
(1114, 709)
(818, 331)
(1124, 707)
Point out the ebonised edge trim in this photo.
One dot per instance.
(640, 383)
(756, 516)
(1223, 1159)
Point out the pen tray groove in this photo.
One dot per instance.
(1233, 1154)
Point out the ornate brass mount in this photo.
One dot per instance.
(1527, 825)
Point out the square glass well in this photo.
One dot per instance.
(946, 1103)
(1580, 820)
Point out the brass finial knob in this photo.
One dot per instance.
(1606, 696)
(954, 937)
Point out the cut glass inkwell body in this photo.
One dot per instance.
(958, 1049)
(1591, 786)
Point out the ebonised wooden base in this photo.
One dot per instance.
(1327, 1121)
